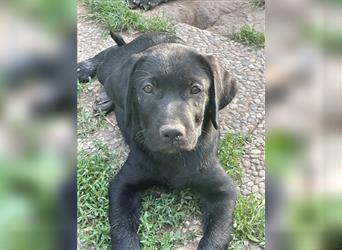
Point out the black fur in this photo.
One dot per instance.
(87, 69)
(167, 97)
(117, 38)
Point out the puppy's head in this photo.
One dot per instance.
(172, 91)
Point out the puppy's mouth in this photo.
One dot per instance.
(173, 148)
(166, 147)
(176, 147)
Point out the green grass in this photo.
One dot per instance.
(259, 4)
(115, 15)
(249, 222)
(249, 36)
(88, 123)
(94, 171)
(163, 213)
(230, 152)
(84, 87)
(163, 216)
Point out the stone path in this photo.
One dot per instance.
(245, 114)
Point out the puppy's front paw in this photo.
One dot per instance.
(85, 71)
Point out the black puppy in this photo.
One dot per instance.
(167, 98)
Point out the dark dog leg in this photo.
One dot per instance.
(218, 201)
(87, 69)
(124, 211)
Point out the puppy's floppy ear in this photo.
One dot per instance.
(129, 101)
(119, 87)
(222, 89)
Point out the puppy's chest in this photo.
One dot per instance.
(175, 180)
(176, 173)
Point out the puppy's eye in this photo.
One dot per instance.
(148, 88)
(195, 90)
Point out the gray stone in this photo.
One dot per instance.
(255, 189)
(246, 163)
(250, 183)
(256, 152)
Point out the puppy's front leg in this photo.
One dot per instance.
(124, 212)
(87, 69)
(218, 201)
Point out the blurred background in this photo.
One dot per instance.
(304, 124)
(37, 124)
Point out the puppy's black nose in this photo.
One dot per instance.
(169, 133)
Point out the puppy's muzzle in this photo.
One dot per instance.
(172, 133)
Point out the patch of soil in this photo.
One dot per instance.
(222, 17)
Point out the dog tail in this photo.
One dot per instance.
(117, 38)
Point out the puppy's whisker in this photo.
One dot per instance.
(205, 133)
(184, 163)
(144, 71)
(143, 78)
(140, 136)
(149, 62)
(200, 144)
